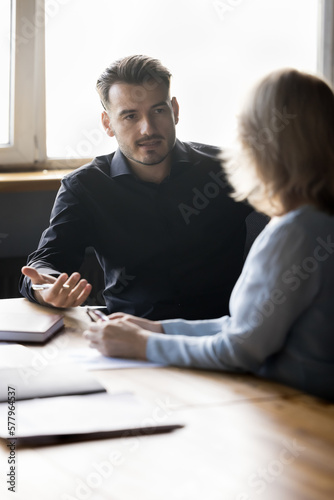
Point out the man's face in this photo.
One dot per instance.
(142, 120)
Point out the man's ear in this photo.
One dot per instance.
(175, 108)
(106, 124)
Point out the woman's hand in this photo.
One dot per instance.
(121, 337)
(146, 324)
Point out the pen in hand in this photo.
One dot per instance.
(46, 286)
(96, 314)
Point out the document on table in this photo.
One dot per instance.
(12, 355)
(91, 359)
(77, 418)
(52, 380)
(33, 376)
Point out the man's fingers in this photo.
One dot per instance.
(30, 272)
(36, 277)
(68, 297)
(73, 280)
(83, 295)
(58, 285)
(67, 291)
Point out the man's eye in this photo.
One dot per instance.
(129, 117)
(159, 110)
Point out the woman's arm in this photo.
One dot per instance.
(197, 328)
(265, 303)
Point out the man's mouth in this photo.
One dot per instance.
(149, 144)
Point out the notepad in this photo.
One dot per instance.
(33, 326)
(48, 381)
(80, 418)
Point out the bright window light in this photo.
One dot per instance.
(215, 50)
(5, 53)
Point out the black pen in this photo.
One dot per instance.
(96, 314)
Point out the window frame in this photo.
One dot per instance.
(27, 151)
(27, 148)
(326, 40)
(27, 121)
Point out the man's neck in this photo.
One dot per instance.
(151, 173)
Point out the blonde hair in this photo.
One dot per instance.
(286, 134)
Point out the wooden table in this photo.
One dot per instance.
(244, 439)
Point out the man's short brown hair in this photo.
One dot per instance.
(136, 69)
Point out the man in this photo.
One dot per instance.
(158, 213)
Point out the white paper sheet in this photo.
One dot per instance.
(72, 415)
(91, 359)
(14, 355)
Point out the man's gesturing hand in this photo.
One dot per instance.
(73, 294)
(119, 338)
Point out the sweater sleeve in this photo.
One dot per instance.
(269, 296)
(197, 328)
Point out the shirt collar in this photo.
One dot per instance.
(180, 153)
(119, 166)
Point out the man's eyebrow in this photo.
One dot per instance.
(162, 103)
(126, 111)
(129, 111)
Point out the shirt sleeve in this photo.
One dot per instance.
(62, 245)
(268, 298)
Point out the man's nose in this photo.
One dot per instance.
(147, 126)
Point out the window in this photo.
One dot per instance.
(215, 50)
(5, 58)
(26, 89)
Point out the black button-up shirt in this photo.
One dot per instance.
(173, 249)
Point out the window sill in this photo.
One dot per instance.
(44, 176)
(42, 180)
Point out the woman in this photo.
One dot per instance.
(281, 323)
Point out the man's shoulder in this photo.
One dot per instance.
(207, 150)
(96, 167)
(197, 152)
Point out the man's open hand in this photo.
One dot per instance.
(73, 294)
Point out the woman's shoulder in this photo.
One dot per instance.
(298, 232)
(306, 221)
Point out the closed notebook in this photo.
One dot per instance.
(29, 326)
